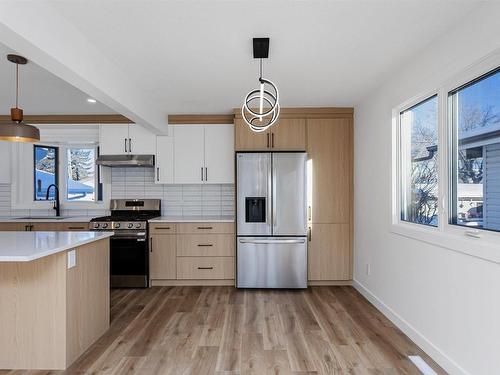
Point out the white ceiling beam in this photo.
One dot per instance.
(37, 31)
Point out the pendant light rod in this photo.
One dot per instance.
(17, 85)
(16, 130)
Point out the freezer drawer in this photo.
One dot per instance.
(271, 262)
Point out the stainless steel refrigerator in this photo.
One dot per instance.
(271, 225)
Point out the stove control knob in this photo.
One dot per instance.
(96, 225)
(138, 225)
(130, 225)
(117, 225)
(105, 225)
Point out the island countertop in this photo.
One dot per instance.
(29, 246)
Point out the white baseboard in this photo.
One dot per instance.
(428, 347)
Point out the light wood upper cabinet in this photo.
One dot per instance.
(123, 139)
(286, 135)
(163, 257)
(329, 252)
(329, 150)
(247, 140)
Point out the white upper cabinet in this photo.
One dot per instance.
(219, 154)
(113, 139)
(121, 139)
(164, 171)
(189, 154)
(201, 154)
(141, 140)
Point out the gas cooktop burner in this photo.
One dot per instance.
(128, 215)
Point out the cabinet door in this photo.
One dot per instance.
(329, 252)
(113, 139)
(164, 160)
(162, 257)
(189, 154)
(219, 154)
(329, 148)
(288, 135)
(247, 140)
(14, 227)
(142, 141)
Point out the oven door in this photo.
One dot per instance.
(129, 259)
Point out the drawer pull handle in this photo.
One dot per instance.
(162, 228)
(205, 245)
(205, 268)
(205, 228)
(76, 228)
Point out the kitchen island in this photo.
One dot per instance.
(54, 297)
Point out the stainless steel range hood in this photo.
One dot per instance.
(126, 160)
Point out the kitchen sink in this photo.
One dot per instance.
(43, 218)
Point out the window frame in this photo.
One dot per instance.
(480, 243)
(64, 178)
(57, 161)
(400, 165)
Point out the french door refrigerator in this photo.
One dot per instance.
(271, 223)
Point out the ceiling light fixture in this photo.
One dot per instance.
(16, 130)
(266, 97)
(90, 100)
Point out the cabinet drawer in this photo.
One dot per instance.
(162, 228)
(205, 268)
(205, 245)
(74, 227)
(223, 228)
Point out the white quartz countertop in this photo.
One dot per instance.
(193, 219)
(43, 219)
(28, 246)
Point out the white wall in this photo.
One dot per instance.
(448, 302)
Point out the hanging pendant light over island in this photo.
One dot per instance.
(16, 130)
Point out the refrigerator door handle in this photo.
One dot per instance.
(259, 242)
(273, 193)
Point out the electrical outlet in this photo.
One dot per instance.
(368, 269)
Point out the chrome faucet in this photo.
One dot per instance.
(57, 205)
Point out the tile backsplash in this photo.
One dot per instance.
(177, 200)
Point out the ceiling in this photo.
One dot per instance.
(196, 56)
(41, 92)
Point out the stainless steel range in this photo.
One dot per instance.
(129, 249)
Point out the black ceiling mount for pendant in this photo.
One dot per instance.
(260, 48)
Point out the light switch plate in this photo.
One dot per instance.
(71, 258)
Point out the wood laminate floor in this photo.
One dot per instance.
(222, 330)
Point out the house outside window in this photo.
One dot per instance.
(475, 122)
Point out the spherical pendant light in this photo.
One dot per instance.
(16, 130)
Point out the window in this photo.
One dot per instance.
(45, 171)
(418, 163)
(81, 180)
(475, 122)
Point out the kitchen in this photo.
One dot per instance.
(229, 208)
